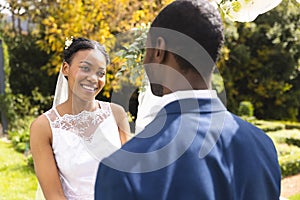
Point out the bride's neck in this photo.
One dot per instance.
(77, 105)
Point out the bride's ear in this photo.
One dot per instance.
(65, 69)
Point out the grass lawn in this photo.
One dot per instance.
(295, 197)
(18, 181)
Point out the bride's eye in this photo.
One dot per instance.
(101, 73)
(84, 68)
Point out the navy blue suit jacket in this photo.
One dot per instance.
(193, 149)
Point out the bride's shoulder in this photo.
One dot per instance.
(40, 125)
(40, 120)
(113, 106)
(117, 109)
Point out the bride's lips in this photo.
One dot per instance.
(90, 88)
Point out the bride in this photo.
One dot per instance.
(69, 140)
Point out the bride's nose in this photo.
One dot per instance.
(92, 77)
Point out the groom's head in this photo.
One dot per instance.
(186, 36)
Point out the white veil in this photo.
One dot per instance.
(61, 89)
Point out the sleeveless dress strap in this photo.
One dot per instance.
(52, 114)
(105, 105)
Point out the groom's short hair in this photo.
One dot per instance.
(197, 19)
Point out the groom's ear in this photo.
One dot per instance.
(65, 69)
(160, 50)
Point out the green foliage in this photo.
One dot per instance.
(217, 82)
(246, 109)
(26, 69)
(292, 125)
(20, 139)
(30, 161)
(283, 135)
(268, 126)
(20, 117)
(288, 136)
(3, 96)
(18, 107)
(22, 98)
(130, 57)
(286, 142)
(260, 63)
(290, 164)
(289, 159)
(6, 64)
(20, 112)
(293, 141)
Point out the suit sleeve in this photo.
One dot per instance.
(112, 184)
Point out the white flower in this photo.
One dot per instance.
(247, 10)
(68, 42)
(215, 2)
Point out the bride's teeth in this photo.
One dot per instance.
(88, 88)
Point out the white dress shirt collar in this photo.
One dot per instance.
(157, 103)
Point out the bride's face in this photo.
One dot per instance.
(86, 74)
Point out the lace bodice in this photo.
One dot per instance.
(79, 143)
(82, 124)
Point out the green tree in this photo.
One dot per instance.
(261, 63)
(27, 77)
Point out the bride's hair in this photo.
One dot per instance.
(77, 44)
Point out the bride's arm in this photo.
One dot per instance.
(44, 162)
(122, 122)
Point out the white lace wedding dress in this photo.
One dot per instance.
(80, 142)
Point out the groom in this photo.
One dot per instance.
(193, 148)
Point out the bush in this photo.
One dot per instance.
(288, 151)
(284, 150)
(290, 164)
(290, 137)
(20, 140)
(293, 141)
(30, 161)
(20, 136)
(269, 126)
(246, 109)
(292, 126)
